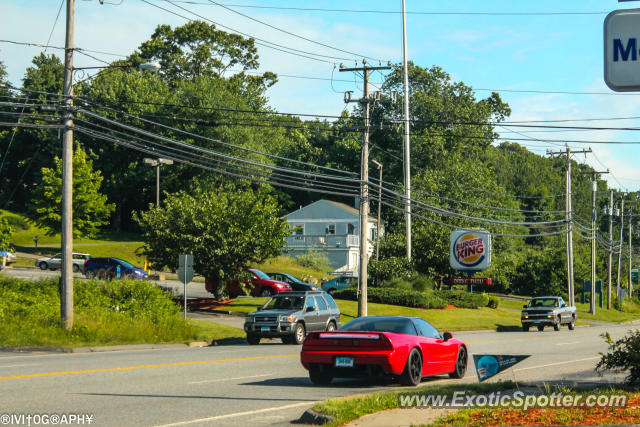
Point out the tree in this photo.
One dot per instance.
(90, 210)
(31, 149)
(224, 227)
(5, 234)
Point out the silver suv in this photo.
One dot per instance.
(291, 316)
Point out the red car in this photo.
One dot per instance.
(258, 284)
(405, 347)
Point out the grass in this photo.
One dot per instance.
(105, 313)
(458, 319)
(346, 409)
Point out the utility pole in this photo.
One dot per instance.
(620, 253)
(407, 142)
(364, 187)
(66, 294)
(610, 212)
(594, 192)
(379, 165)
(629, 287)
(569, 218)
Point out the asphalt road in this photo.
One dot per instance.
(242, 385)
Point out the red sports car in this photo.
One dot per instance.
(405, 347)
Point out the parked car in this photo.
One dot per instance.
(406, 347)
(55, 262)
(295, 283)
(257, 283)
(548, 311)
(291, 316)
(339, 283)
(107, 268)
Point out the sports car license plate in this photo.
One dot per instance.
(265, 329)
(344, 362)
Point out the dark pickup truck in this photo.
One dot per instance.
(548, 311)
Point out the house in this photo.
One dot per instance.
(333, 228)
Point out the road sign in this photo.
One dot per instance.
(621, 43)
(185, 268)
(185, 274)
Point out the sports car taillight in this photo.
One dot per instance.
(359, 340)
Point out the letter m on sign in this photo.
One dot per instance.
(620, 50)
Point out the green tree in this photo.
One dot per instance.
(31, 149)
(5, 234)
(90, 210)
(223, 227)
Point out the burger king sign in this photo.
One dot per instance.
(470, 250)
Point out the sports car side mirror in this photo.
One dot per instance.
(447, 336)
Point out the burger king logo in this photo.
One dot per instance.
(469, 250)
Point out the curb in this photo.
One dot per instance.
(226, 312)
(101, 349)
(314, 418)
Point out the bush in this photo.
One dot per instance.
(422, 283)
(494, 302)
(314, 259)
(393, 296)
(623, 356)
(397, 283)
(391, 267)
(463, 299)
(616, 303)
(106, 312)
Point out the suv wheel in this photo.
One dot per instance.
(331, 326)
(266, 292)
(90, 274)
(299, 333)
(43, 265)
(76, 268)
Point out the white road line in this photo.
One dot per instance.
(229, 379)
(22, 364)
(237, 414)
(558, 363)
(568, 343)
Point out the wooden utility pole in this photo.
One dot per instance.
(610, 212)
(629, 285)
(66, 296)
(620, 253)
(379, 165)
(569, 217)
(407, 141)
(364, 186)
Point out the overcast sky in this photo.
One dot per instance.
(544, 57)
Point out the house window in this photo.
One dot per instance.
(351, 229)
(298, 231)
(374, 235)
(331, 229)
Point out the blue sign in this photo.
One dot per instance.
(488, 365)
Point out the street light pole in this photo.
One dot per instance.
(157, 163)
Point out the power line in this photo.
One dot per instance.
(259, 41)
(290, 33)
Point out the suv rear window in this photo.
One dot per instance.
(322, 305)
(331, 302)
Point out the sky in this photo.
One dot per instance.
(545, 58)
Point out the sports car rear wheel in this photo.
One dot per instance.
(318, 376)
(461, 364)
(412, 374)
